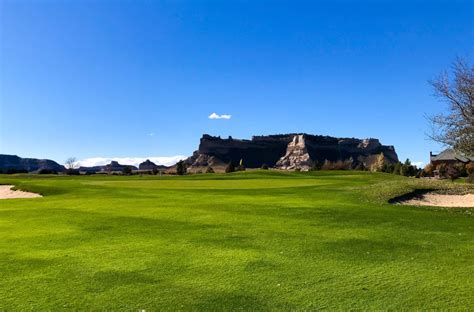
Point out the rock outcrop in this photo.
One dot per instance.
(288, 151)
(296, 156)
(13, 163)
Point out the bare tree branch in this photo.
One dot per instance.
(456, 127)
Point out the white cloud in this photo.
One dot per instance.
(134, 161)
(215, 116)
(151, 134)
(419, 164)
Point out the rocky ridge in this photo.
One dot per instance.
(288, 151)
(12, 163)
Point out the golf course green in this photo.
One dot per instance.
(255, 240)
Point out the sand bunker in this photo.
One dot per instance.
(7, 192)
(439, 200)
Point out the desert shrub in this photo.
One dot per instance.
(378, 164)
(264, 167)
(181, 168)
(327, 165)
(47, 171)
(127, 170)
(72, 172)
(360, 166)
(428, 170)
(344, 164)
(209, 170)
(470, 168)
(230, 168)
(397, 168)
(338, 165)
(316, 166)
(442, 170)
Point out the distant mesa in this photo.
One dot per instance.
(282, 151)
(288, 151)
(114, 166)
(13, 163)
(149, 165)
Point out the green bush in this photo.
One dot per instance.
(264, 167)
(209, 170)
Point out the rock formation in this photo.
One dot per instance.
(288, 151)
(115, 166)
(296, 155)
(149, 165)
(13, 163)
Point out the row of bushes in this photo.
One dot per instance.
(452, 172)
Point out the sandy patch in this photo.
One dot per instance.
(7, 192)
(439, 200)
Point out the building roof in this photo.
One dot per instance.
(451, 155)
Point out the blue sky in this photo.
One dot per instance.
(140, 78)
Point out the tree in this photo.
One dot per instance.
(428, 170)
(455, 128)
(264, 167)
(209, 170)
(230, 168)
(397, 168)
(71, 163)
(407, 169)
(452, 173)
(378, 164)
(181, 168)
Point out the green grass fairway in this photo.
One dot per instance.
(260, 240)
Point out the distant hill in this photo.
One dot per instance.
(288, 151)
(149, 165)
(114, 166)
(13, 163)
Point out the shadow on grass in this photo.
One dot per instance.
(415, 194)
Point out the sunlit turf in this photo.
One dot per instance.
(259, 240)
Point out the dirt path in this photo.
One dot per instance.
(441, 200)
(6, 192)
